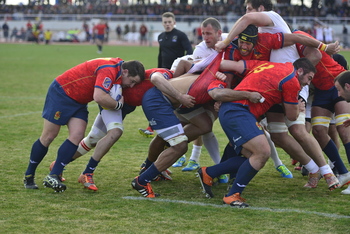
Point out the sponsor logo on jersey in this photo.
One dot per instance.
(57, 115)
(107, 82)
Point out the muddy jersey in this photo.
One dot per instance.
(80, 81)
(327, 69)
(133, 96)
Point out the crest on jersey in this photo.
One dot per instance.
(259, 126)
(57, 115)
(107, 82)
(174, 39)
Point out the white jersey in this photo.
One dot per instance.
(203, 55)
(202, 51)
(285, 54)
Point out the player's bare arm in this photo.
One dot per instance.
(229, 65)
(163, 85)
(256, 18)
(228, 95)
(292, 38)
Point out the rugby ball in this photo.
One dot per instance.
(116, 92)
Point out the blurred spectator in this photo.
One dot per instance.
(22, 34)
(143, 34)
(92, 33)
(5, 30)
(345, 36)
(328, 34)
(14, 34)
(225, 29)
(29, 32)
(133, 36)
(118, 31)
(47, 36)
(319, 32)
(106, 32)
(87, 31)
(126, 30)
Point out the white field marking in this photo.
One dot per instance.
(251, 208)
(18, 115)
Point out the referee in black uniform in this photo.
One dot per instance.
(172, 43)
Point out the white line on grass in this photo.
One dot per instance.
(17, 115)
(251, 208)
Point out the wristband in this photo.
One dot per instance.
(118, 106)
(227, 41)
(322, 47)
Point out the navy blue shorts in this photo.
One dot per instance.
(59, 108)
(158, 110)
(239, 124)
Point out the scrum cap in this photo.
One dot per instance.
(250, 34)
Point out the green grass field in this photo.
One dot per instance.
(277, 205)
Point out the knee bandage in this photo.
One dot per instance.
(339, 119)
(299, 120)
(90, 140)
(321, 120)
(114, 125)
(177, 140)
(277, 127)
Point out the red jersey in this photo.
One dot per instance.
(327, 68)
(133, 96)
(199, 88)
(260, 76)
(261, 51)
(100, 28)
(79, 82)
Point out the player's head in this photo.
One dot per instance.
(133, 72)
(168, 21)
(258, 5)
(247, 40)
(342, 83)
(305, 71)
(211, 31)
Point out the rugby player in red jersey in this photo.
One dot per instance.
(327, 102)
(66, 104)
(277, 83)
(108, 125)
(159, 110)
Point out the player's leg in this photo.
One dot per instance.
(112, 120)
(38, 152)
(280, 136)
(342, 112)
(312, 148)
